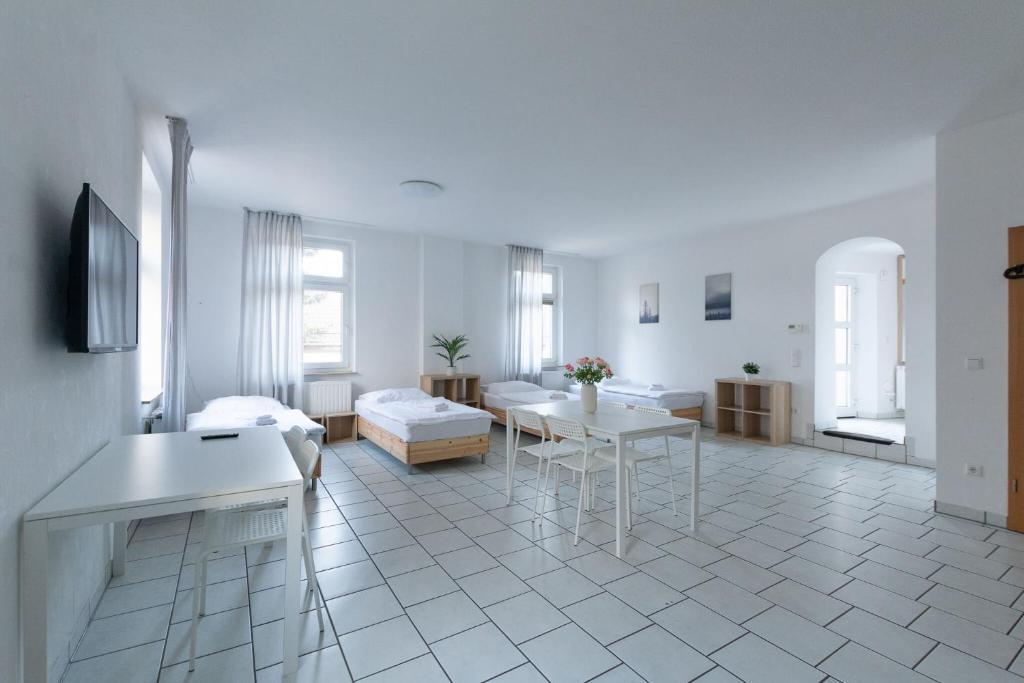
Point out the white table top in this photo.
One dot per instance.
(144, 469)
(609, 420)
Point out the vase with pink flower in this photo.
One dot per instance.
(588, 373)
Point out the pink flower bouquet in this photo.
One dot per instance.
(588, 370)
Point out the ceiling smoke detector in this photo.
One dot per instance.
(420, 189)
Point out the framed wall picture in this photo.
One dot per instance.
(649, 303)
(718, 297)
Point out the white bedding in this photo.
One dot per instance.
(505, 394)
(240, 412)
(670, 399)
(413, 421)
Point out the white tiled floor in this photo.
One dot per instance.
(809, 564)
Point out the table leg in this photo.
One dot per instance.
(120, 549)
(509, 464)
(34, 577)
(620, 496)
(695, 483)
(292, 581)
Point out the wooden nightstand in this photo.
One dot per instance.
(460, 388)
(342, 426)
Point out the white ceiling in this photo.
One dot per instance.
(576, 126)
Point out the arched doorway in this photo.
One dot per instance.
(860, 340)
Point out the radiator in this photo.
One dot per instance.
(324, 398)
(901, 387)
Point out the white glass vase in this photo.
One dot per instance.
(588, 398)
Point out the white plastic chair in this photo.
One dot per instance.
(239, 526)
(543, 451)
(619, 405)
(582, 462)
(633, 456)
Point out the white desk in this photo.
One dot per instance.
(149, 475)
(619, 426)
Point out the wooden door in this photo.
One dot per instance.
(1015, 424)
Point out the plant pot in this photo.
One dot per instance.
(450, 371)
(746, 376)
(588, 398)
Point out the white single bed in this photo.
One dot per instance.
(635, 394)
(239, 412)
(497, 397)
(406, 423)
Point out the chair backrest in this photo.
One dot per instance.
(305, 458)
(652, 410)
(568, 429)
(294, 438)
(618, 405)
(527, 419)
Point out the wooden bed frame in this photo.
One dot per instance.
(418, 452)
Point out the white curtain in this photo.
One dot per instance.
(175, 370)
(525, 314)
(270, 343)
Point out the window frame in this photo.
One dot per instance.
(555, 301)
(343, 285)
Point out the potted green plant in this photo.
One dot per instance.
(750, 369)
(451, 349)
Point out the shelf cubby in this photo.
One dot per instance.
(755, 410)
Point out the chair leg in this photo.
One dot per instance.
(629, 501)
(202, 586)
(536, 486)
(307, 554)
(671, 483)
(547, 474)
(579, 509)
(194, 627)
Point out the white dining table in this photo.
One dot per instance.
(619, 426)
(151, 475)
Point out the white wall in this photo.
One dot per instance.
(773, 279)
(407, 287)
(65, 118)
(980, 181)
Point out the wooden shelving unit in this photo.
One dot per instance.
(461, 388)
(755, 410)
(343, 426)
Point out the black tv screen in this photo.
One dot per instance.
(103, 282)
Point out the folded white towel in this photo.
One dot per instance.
(656, 387)
(558, 395)
(440, 407)
(265, 420)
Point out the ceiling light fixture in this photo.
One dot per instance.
(420, 189)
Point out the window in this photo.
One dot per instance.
(326, 306)
(151, 338)
(551, 325)
(843, 292)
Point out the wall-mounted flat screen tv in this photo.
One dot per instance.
(103, 280)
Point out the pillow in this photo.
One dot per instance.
(257, 405)
(613, 381)
(392, 395)
(511, 387)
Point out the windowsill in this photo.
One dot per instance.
(329, 371)
(551, 368)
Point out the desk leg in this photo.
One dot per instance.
(120, 548)
(509, 464)
(621, 494)
(695, 483)
(34, 576)
(292, 581)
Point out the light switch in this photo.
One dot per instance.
(795, 358)
(974, 363)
